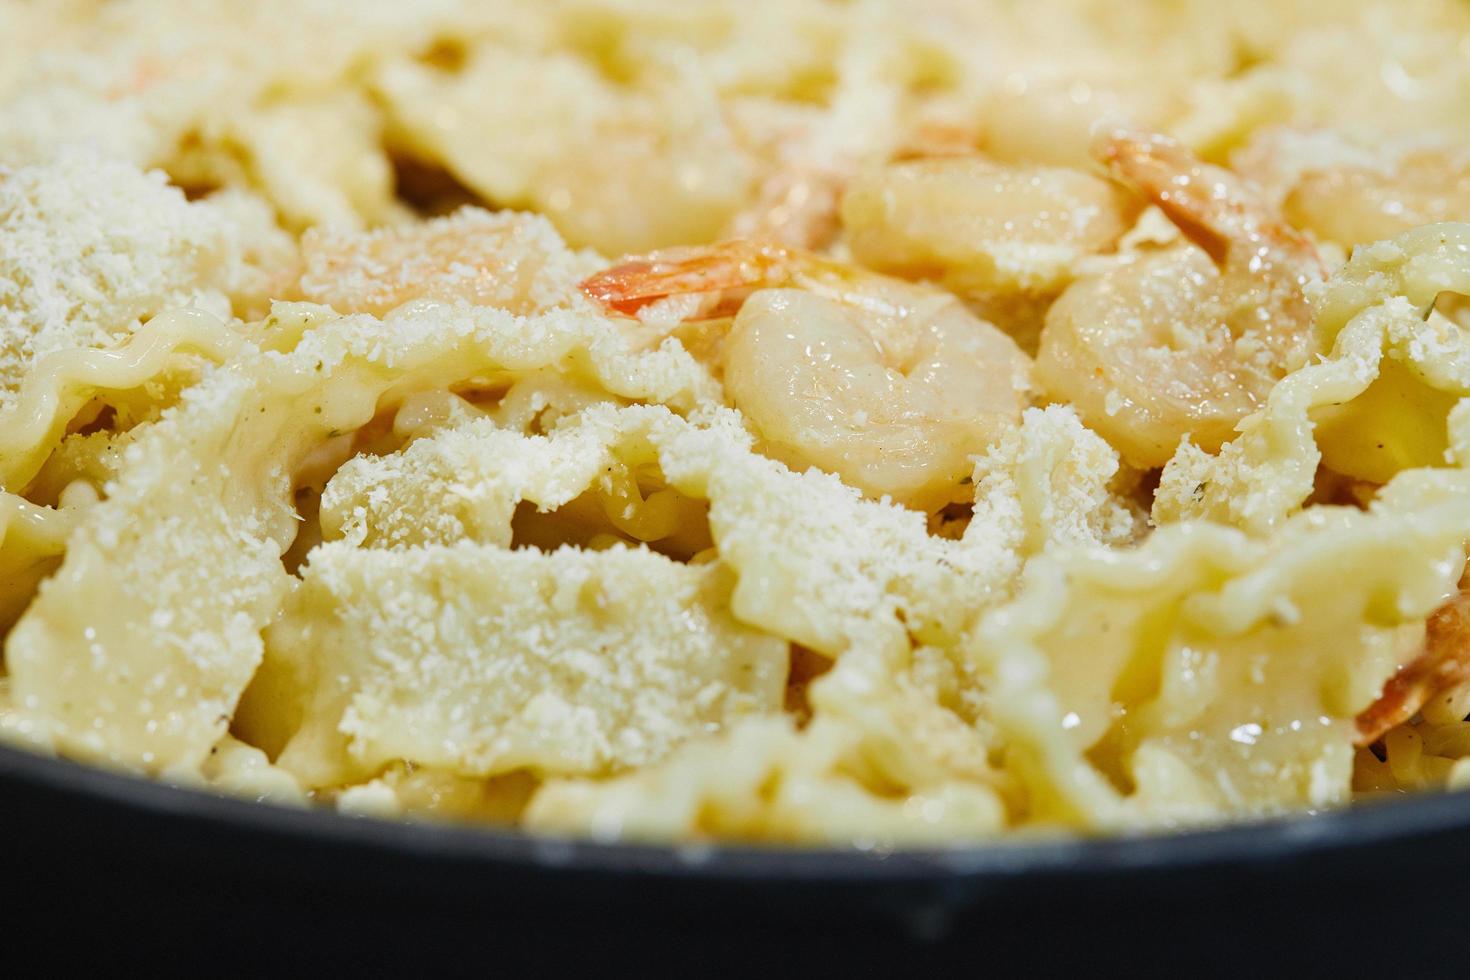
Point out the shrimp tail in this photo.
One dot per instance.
(1443, 664)
(1211, 206)
(727, 268)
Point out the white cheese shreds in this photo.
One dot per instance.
(90, 248)
(482, 660)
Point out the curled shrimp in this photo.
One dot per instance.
(800, 205)
(1006, 238)
(1186, 341)
(1442, 664)
(1350, 191)
(1355, 204)
(891, 386)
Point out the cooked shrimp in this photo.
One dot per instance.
(800, 205)
(1351, 205)
(1186, 341)
(979, 226)
(1349, 191)
(997, 235)
(1443, 664)
(891, 386)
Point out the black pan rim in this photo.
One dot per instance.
(1252, 843)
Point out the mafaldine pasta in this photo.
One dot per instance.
(794, 422)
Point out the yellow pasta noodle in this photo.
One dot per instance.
(482, 660)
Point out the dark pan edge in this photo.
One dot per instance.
(1256, 843)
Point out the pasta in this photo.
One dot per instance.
(839, 423)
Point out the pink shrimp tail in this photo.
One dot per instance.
(1211, 206)
(631, 285)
